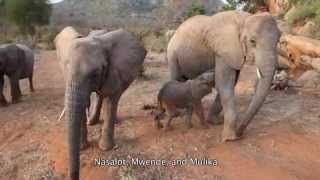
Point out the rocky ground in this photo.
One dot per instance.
(281, 143)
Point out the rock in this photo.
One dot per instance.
(312, 62)
(284, 63)
(308, 30)
(277, 7)
(309, 79)
(294, 47)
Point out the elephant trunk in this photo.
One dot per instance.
(76, 101)
(266, 62)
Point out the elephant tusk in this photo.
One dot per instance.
(87, 112)
(259, 73)
(62, 114)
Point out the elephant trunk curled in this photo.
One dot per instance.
(75, 101)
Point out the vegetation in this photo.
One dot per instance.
(27, 14)
(246, 5)
(304, 10)
(196, 8)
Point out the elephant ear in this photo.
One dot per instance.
(106, 45)
(229, 47)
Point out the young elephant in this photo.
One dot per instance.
(187, 95)
(16, 62)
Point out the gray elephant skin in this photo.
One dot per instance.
(63, 42)
(175, 95)
(16, 62)
(107, 64)
(225, 41)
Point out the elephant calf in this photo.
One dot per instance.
(16, 62)
(186, 95)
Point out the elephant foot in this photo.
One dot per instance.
(3, 103)
(189, 125)
(204, 125)
(84, 145)
(229, 135)
(15, 101)
(240, 131)
(159, 125)
(106, 145)
(215, 120)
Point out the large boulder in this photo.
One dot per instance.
(309, 79)
(308, 30)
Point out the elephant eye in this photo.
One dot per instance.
(253, 42)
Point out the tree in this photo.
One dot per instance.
(246, 5)
(27, 14)
(196, 8)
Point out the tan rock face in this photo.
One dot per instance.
(308, 29)
(277, 7)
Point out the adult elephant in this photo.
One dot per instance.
(63, 43)
(16, 62)
(107, 64)
(224, 42)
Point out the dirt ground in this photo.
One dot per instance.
(281, 143)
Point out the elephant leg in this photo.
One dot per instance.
(175, 72)
(214, 111)
(107, 137)
(31, 83)
(199, 112)
(225, 79)
(95, 115)
(3, 101)
(216, 107)
(15, 88)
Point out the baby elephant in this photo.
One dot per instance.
(187, 95)
(16, 62)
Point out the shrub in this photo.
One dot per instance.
(27, 14)
(196, 8)
(303, 11)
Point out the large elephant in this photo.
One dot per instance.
(16, 62)
(225, 41)
(63, 43)
(107, 64)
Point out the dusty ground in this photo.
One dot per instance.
(281, 143)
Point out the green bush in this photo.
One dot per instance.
(196, 8)
(27, 14)
(307, 10)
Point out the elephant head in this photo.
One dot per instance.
(259, 38)
(87, 71)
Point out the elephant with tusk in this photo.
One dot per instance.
(63, 43)
(105, 63)
(225, 41)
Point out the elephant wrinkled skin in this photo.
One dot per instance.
(106, 63)
(225, 41)
(16, 62)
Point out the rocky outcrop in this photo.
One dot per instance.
(277, 7)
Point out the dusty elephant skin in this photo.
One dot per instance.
(187, 95)
(224, 42)
(63, 42)
(16, 62)
(105, 63)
